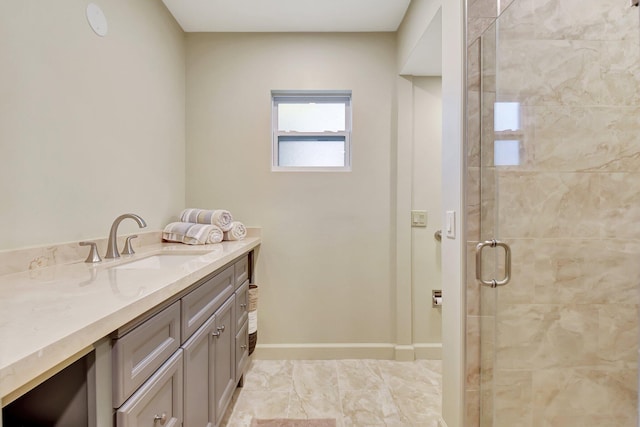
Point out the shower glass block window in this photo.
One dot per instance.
(311, 131)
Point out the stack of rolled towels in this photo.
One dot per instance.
(202, 227)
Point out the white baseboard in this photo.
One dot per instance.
(323, 351)
(331, 351)
(428, 351)
(405, 353)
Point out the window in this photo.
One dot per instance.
(311, 130)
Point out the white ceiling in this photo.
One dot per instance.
(288, 15)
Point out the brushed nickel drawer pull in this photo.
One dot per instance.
(220, 328)
(162, 418)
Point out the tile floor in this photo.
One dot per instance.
(361, 393)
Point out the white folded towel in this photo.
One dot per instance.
(237, 231)
(253, 321)
(192, 234)
(220, 217)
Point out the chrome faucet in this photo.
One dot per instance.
(112, 245)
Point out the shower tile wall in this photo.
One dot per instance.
(560, 342)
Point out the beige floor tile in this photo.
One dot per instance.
(258, 404)
(269, 375)
(309, 376)
(369, 408)
(359, 375)
(358, 393)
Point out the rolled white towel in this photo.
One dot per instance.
(253, 321)
(237, 231)
(192, 234)
(220, 217)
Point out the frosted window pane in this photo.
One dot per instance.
(506, 153)
(311, 152)
(506, 116)
(311, 117)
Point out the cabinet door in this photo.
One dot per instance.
(242, 304)
(158, 401)
(224, 355)
(242, 351)
(198, 377)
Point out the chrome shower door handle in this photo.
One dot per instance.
(493, 283)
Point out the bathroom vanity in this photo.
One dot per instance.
(159, 338)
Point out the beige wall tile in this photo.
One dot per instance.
(618, 335)
(472, 361)
(513, 399)
(585, 20)
(473, 204)
(568, 72)
(472, 414)
(575, 138)
(482, 8)
(535, 336)
(598, 273)
(563, 204)
(582, 392)
(477, 27)
(569, 318)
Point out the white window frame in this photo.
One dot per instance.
(342, 96)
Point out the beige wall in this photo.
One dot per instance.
(418, 187)
(426, 195)
(90, 127)
(325, 273)
(417, 19)
(93, 127)
(325, 265)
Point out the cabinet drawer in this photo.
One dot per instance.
(242, 304)
(202, 302)
(143, 350)
(242, 350)
(242, 270)
(158, 399)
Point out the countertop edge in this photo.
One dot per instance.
(25, 370)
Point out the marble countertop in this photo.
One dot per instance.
(50, 314)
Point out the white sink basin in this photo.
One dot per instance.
(157, 262)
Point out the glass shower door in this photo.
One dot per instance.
(560, 185)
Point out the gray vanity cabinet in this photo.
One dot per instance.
(200, 304)
(209, 369)
(199, 376)
(242, 326)
(242, 305)
(242, 352)
(224, 356)
(158, 401)
(242, 270)
(181, 365)
(140, 352)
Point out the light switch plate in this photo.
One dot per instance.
(418, 218)
(450, 226)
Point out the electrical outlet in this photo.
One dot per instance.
(418, 218)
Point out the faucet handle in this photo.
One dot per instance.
(93, 256)
(128, 249)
